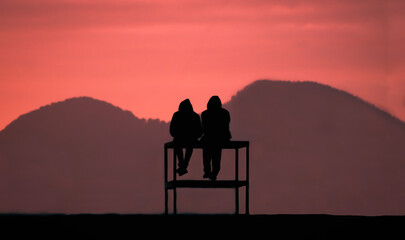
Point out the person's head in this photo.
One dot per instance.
(185, 106)
(214, 103)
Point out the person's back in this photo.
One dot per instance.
(185, 125)
(215, 121)
(185, 128)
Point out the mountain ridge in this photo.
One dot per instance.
(263, 82)
(254, 84)
(78, 100)
(313, 151)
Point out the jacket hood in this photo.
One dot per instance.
(185, 106)
(214, 103)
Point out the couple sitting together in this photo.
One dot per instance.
(186, 128)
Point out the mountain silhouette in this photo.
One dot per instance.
(314, 149)
(80, 155)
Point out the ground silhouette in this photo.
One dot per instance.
(314, 149)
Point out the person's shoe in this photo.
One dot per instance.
(213, 177)
(181, 171)
(207, 175)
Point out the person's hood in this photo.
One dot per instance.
(214, 103)
(185, 106)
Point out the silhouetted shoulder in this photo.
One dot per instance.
(226, 114)
(195, 115)
(174, 123)
(186, 123)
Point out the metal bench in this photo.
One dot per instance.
(235, 183)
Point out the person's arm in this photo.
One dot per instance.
(173, 125)
(228, 117)
(198, 126)
(228, 120)
(204, 123)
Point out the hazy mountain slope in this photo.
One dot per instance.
(314, 149)
(319, 150)
(80, 155)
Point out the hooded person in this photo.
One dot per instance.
(185, 128)
(215, 125)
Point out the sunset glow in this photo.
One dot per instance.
(147, 56)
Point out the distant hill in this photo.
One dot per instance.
(314, 149)
(80, 155)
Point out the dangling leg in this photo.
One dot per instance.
(181, 170)
(216, 162)
(187, 157)
(207, 162)
(179, 154)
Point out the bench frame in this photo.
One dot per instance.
(236, 183)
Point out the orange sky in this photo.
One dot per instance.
(147, 56)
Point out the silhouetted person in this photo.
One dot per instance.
(215, 124)
(185, 128)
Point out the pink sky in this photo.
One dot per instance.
(147, 56)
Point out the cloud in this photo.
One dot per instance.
(67, 14)
(86, 13)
